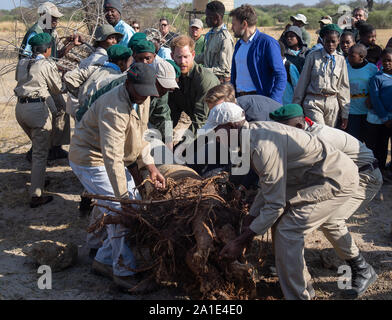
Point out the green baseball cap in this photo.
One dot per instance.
(136, 38)
(119, 52)
(40, 39)
(287, 112)
(144, 46)
(143, 78)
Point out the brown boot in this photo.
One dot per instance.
(39, 201)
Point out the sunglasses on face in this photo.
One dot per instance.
(163, 25)
(136, 27)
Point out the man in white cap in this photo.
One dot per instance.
(195, 32)
(49, 15)
(300, 20)
(303, 184)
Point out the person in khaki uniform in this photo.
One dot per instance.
(370, 181)
(323, 89)
(303, 182)
(47, 23)
(370, 177)
(107, 141)
(219, 44)
(84, 82)
(38, 78)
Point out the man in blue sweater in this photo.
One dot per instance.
(257, 55)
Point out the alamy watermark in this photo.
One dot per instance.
(344, 281)
(44, 281)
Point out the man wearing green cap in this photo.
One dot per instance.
(135, 39)
(144, 51)
(84, 82)
(323, 88)
(38, 79)
(370, 181)
(107, 140)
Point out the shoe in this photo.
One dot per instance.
(362, 276)
(39, 201)
(85, 205)
(310, 289)
(29, 155)
(102, 269)
(92, 253)
(57, 153)
(135, 286)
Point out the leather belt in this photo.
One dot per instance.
(372, 166)
(30, 100)
(243, 93)
(324, 95)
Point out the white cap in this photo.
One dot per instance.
(223, 113)
(48, 7)
(166, 75)
(196, 23)
(300, 17)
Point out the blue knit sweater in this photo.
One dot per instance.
(265, 66)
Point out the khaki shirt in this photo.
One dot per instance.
(295, 168)
(84, 82)
(111, 134)
(316, 80)
(37, 78)
(218, 52)
(356, 150)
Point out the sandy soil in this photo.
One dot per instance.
(60, 220)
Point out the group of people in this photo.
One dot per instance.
(310, 175)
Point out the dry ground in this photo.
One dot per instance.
(60, 221)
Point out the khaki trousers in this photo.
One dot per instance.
(323, 110)
(61, 133)
(296, 223)
(36, 120)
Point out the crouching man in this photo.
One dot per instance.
(304, 183)
(370, 182)
(108, 139)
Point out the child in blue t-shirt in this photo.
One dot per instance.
(359, 73)
(380, 116)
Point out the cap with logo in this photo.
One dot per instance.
(48, 7)
(143, 77)
(299, 17)
(223, 113)
(166, 75)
